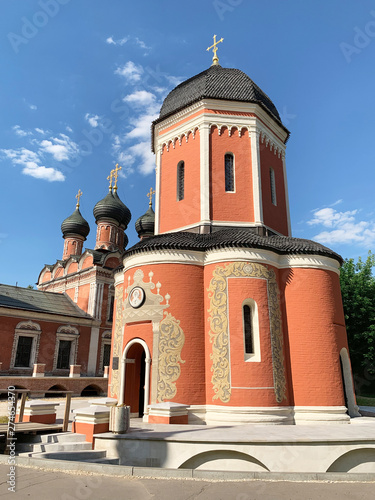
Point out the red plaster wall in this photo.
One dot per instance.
(173, 213)
(88, 262)
(83, 296)
(316, 336)
(184, 283)
(243, 373)
(72, 268)
(227, 206)
(274, 216)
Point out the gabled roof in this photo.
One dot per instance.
(35, 300)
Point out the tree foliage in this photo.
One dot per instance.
(358, 295)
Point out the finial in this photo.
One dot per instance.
(215, 59)
(149, 194)
(78, 196)
(110, 178)
(115, 175)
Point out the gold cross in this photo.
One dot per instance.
(78, 196)
(110, 178)
(115, 175)
(150, 196)
(215, 59)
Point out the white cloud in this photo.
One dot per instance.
(141, 98)
(22, 133)
(92, 119)
(31, 164)
(131, 71)
(46, 173)
(142, 128)
(141, 154)
(33, 107)
(61, 148)
(40, 131)
(121, 41)
(69, 129)
(344, 227)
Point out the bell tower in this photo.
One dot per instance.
(220, 155)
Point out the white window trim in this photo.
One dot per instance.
(106, 340)
(234, 172)
(71, 333)
(26, 329)
(255, 356)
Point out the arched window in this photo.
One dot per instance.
(273, 186)
(251, 330)
(229, 173)
(180, 180)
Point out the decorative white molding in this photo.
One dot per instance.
(256, 173)
(204, 132)
(26, 329)
(165, 257)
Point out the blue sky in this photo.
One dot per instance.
(82, 80)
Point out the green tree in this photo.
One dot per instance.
(358, 295)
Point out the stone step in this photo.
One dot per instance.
(59, 446)
(79, 456)
(57, 437)
(110, 461)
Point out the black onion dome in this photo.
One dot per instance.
(216, 83)
(145, 224)
(110, 207)
(75, 224)
(127, 214)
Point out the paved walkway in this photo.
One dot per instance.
(41, 484)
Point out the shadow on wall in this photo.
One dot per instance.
(362, 460)
(224, 460)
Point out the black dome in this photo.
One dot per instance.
(75, 224)
(145, 224)
(111, 207)
(217, 83)
(127, 214)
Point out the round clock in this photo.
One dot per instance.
(137, 297)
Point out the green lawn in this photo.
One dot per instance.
(365, 401)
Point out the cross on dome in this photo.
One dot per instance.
(78, 196)
(215, 59)
(149, 194)
(115, 172)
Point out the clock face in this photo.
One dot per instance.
(136, 297)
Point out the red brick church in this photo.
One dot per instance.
(217, 315)
(222, 316)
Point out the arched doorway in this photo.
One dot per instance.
(347, 382)
(135, 378)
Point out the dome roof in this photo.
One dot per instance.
(75, 224)
(145, 224)
(217, 83)
(111, 207)
(127, 214)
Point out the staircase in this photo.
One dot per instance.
(61, 446)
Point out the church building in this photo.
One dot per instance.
(220, 315)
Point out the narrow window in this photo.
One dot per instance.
(180, 180)
(106, 355)
(248, 333)
(110, 312)
(229, 172)
(23, 352)
(273, 186)
(63, 359)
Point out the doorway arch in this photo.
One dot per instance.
(141, 374)
(347, 382)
